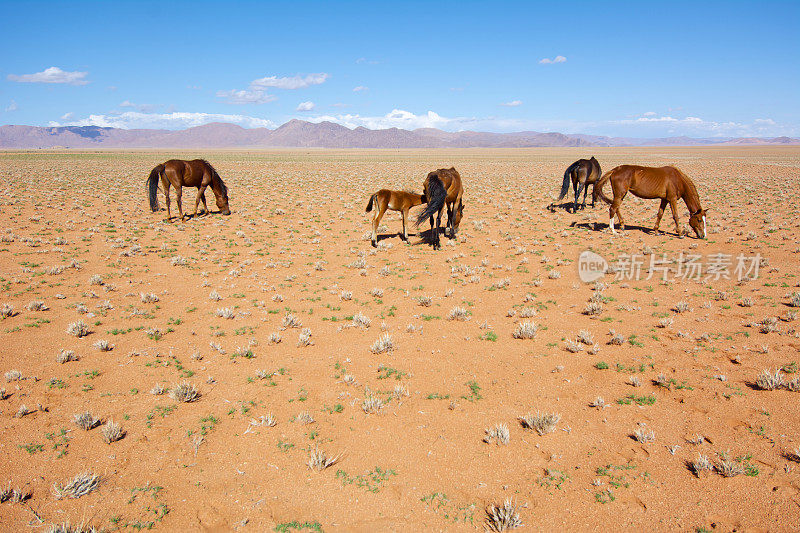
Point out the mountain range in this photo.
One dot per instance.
(303, 134)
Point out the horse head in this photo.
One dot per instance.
(698, 223)
(457, 214)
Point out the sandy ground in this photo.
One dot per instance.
(78, 236)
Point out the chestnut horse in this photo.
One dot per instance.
(667, 183)
(393, 201)
(584, 172)
(443, 187)
(179, 173)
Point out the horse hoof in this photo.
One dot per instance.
(374, 244)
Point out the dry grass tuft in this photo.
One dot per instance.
(499, 433)
(318, 460)
(503, 518)
(383, 344)
(112, 432)
(81, 485)
(542, 423)
(768, 380)
(525, 330)
(184, 392)
(85, 420)
(78, 329)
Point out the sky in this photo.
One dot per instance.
(629, 69)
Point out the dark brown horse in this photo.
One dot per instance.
(443, 187)
(582, 173)
(393, 201)
(196, 173)
(667, 183)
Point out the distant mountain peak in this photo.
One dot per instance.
(298, 133)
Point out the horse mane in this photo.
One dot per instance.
(215, 178)
(690, 194)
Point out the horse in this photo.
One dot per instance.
(584, 172)
(443, 188)
(393, 201)
(667, 183)
(179, 173)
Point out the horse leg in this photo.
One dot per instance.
(575, 193)
(381, 209)
(674, 205)
(437, 244)
(404, 212)
(660, 214)
(178, 200)
(614, 210)
(165, 184)
(585, 190)
(201, 191)
(205, 205)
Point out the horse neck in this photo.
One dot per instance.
(691, 197)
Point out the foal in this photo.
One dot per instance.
(393, 201)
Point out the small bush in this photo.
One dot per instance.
(184, 392)
(525, 330)
(78, 329)
(542, 423)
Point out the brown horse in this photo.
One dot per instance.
(584, 172)
(667, 183)
(196, 173)
(394, 201)
(443, 187)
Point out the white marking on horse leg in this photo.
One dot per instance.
(704, 226)
(611, 223)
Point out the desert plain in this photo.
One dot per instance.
(334, 386)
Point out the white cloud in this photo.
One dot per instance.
(67, 116)
(170, 121)
(399, 118)
(246, 96)
(12, 106)
(51, 75)
(364, 60)
(651, 125)
(256, 93)
(144, 108)
(557, 59)
(293, 82)
(360, 88)
(305, 106)
(649, 114)
(513, 103)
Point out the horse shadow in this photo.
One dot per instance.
(602, 226)
(567, 207)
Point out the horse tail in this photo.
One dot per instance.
(152, 186)
(371, 199)
(598, 188)
(567, 176)
(436, 195)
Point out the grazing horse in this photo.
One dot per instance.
(443, 187)
(583, 172)
(196, 173)
(667, 183)
(394, 201)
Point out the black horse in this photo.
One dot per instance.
(582, 172)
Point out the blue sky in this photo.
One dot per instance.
(638, 69)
